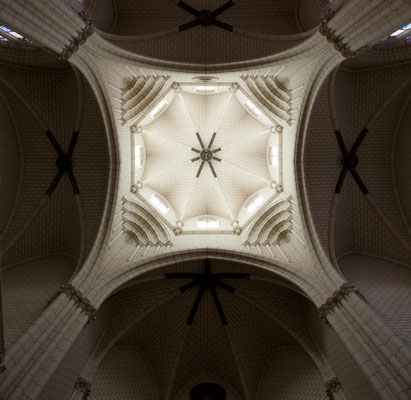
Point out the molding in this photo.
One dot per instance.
(335, 40)
(342, 293)
(332, 386)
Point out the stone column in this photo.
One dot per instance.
(358, 23)
(51, 24)
(382, 356)
(34, 358)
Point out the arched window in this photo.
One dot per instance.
(254, 203)
(138, 156)
(159, 204)
(208, 223)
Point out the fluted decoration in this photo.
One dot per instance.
(271, 225)
(142, 91)
(272, 94)
(140, 224)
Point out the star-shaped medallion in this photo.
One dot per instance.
(207, 280)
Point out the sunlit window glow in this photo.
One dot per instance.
(208, 223)
(158, 108)
(138, 156)
(205, 89)
(253, 108)
(159, 204)
(400, 31)
(274, 156)
(11, 32)
(254, 203)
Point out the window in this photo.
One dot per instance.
(208, 223)
(273, 155)
(205, 89)
(138, 156)
(12, 33)
(10, 36)
(158, 108)
(400, 31)
(159, 204)
(253, 108)
(254, 203)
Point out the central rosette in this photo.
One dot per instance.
(206, 155)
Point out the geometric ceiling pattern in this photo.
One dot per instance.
(176, 169)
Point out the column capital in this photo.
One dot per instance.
(81, 38)
(83, 386)
(81, 301)
(332, 386)
(330, 35)
(342, 293)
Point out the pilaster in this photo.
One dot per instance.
(382, 356)
(34, 358)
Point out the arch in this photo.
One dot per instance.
(99, 41)
(268, 229)
(308, 224)
(142, 226)
(83, 62)
(311, 287)
(168, 296)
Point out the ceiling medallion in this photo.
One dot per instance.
(207, 280)
(350, 161)
(63, 162)
(205, 17)
(206, 155)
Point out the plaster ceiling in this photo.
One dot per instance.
(227, 183)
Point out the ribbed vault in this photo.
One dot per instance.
(151, 316)
(368, 204)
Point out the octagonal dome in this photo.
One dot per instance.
(206, 157)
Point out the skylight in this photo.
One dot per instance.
(158, 108)
(253, 108)
(208, 223)
(159, 204)
(205, 89)
(274, 156)
(254, 203)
